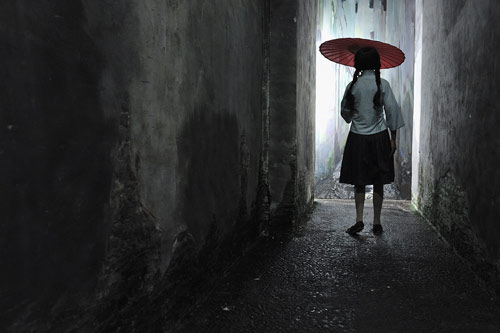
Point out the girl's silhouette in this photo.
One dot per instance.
(368, 154)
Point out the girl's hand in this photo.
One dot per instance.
(393, 147)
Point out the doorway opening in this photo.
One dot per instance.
(393, 23)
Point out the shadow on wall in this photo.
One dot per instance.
(209, 171)
(54, 153)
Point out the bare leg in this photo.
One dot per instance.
(378, 198)
(359, 199)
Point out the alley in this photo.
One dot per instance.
(151, 150)
(322, 280)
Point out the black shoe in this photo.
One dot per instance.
(355, 228)
(377, 229)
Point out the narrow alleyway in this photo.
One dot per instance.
(322, 280)
(148, 147)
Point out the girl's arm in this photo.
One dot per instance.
(392, 109)
(393, 141)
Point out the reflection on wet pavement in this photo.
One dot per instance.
(320, 279)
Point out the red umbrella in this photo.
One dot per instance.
(342, 51)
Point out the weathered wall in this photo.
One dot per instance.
(134, 152)
(291, 106)
(400, 31)
(282, 102)
(196, 132)
(306, 100)
(459, 142)
(335, 20)
(130, 130)
(56, 138)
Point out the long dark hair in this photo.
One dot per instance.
(366, 58)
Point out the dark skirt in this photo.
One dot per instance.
(367, 159)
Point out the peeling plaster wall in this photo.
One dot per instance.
(459, 145)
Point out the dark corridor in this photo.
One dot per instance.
(158, 171)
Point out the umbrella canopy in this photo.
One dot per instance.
(342, 51)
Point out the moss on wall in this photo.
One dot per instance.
(459, 155)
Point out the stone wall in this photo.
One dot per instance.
(459, 145)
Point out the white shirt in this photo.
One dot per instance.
(365, 118)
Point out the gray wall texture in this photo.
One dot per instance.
(306, 101)
(291, 108)
(400, 31)
(135, 146)
(459, 142)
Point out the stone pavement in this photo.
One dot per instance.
(320, 279)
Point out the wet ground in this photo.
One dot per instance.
(320, 279)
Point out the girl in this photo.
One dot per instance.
(368, 154)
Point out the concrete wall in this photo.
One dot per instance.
(459, 142)
(57, 136)
(136, 151)
(336, 19)
(400, 31)
(282, 108)
(306, 100)
(127, 129)
(291, 108)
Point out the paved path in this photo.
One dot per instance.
(320, 279)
